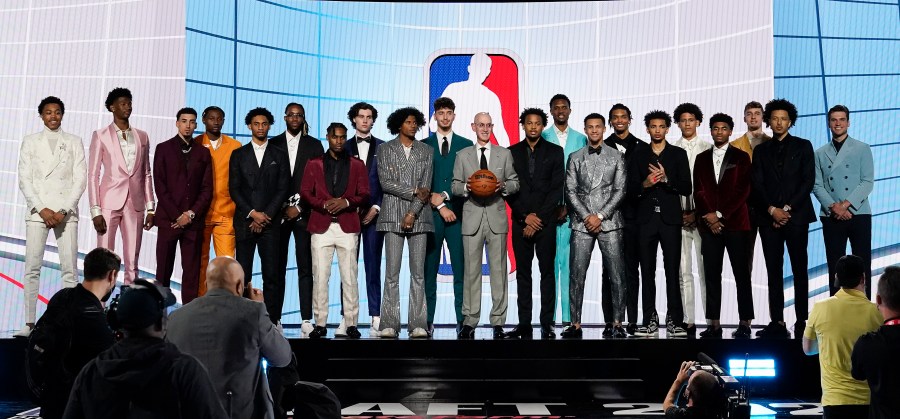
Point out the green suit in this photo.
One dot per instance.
(574, 142)
(442, 178)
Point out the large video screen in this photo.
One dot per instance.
(648, 54)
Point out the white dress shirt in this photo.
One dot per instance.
(718, 158)
(363, 148)
(129, 150)
(487, 152)
(259, 151)
(562, 136)
(292, 144)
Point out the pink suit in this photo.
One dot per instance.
(121, 195)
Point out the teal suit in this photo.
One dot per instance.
(574, 142)
(442, 178)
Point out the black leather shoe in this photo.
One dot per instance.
(619, 333)
(499, 333)
(631, 329)
(547, 332)
(711, 333)
(607, 330)
(742, 332)
(691, 330)
(521, 332)
(459, 327)
(318, 332)
(466, 332)
(573, 332)
(353, 332)
(430, 330)
(774, 330)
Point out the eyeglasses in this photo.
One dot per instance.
(484, 125)
(295, 115)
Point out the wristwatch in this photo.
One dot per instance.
(64, 212)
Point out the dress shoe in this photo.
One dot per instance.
(631, 329)
(430, 330)
(742, 332)
(341, 331)
(459, 326)
(24, 332)
(418, 333)
(305, 328)
(607, 330)
(619, 333)
(691, 330)
(711, 332)
(353, 333)
(547, 332)
(388, 333)
(318, 332)
(376, 323)
(521, 332)
(573, 332)
(499, 333)
(774, 330)
(466, 332)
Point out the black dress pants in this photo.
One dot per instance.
(796, 237)
(858, 231)
(713, 247)
(651, 234)
(544, 244)
(303, 258)
(273, 281)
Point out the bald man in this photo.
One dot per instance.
(224, 319)
(703, 394)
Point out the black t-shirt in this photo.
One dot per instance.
(875, 360)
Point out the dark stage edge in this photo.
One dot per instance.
(591, 378)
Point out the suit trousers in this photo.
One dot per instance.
(651, 234)
(132, 228)
(221, 230)
(189, 241)
(323, 248)
(372, 245)
(452, 233)
(750, 247)
(499, 275)
(612, 280)
(796, 237)
(417, 312)
(631, 258)
(304, 259)
(245, 250)
(691, 241)
(542, 243)
(858, 231)
(714, 246)
(66, 234)
(563, 236)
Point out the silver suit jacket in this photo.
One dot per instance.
(399, 178)
(468, 162)
(595, 184)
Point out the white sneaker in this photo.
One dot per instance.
(279, 328)
(24, 332)
(305, 328)
(341, 331)
(376, 323)
(388, 333)
(418, 333)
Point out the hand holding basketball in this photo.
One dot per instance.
(483, 183)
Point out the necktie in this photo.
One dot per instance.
(483, 158)
(445, 147)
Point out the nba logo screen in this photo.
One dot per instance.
(478, 80)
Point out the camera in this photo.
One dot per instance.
(734, 399)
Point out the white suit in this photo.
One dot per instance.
(54, 179)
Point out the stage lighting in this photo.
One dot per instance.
(754, 367)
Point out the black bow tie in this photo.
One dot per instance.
(363, 140)
(592, 150)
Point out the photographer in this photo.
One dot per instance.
(223, 319)
(704, 397)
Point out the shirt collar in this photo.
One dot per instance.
(850, 292)
(259, 147)
(488, 147)
(48, 131)
(291, 138)
(720, 150)
(558, 132)
(691, 142)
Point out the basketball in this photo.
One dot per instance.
(483, 183)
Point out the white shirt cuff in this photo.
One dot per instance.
(377, 207)
(718, 214)
(95, 211)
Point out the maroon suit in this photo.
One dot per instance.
(183, 182)
(727, 195)
(314, 192)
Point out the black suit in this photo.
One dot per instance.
(658, 216)
(541, 187)
(259, 187)
(784, 174)
(632, 256)
(307, 148)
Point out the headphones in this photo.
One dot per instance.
(112, 316)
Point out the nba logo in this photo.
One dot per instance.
(478, 80)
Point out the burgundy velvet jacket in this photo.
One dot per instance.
(729, 194)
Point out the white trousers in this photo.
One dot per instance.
(323, 248)
(36, 233)
(690, 242)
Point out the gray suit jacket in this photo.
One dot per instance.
(468, 162)
(595, 184)
(399, 178)
(229, 335)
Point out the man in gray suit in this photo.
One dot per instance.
(404, 170)
(484, 223)
(229, 334)
(595, 187)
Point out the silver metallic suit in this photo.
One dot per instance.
(595, 184)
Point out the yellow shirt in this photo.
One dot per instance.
(837, 323)
(221, 206)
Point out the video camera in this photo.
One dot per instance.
(735, 402)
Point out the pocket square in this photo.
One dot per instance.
(272, 163)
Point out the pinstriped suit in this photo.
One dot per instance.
(399, 177)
